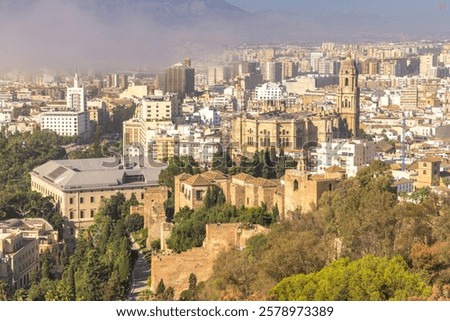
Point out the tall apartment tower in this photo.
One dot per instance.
(272, 71)
(427, 62)
(180, 78)
(117, 81)
(348, 95)
(75, 96)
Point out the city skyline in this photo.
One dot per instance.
(146, 33)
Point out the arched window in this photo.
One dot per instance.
(346, 81)
(295, 185)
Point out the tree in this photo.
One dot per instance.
(360, 213)
(47, 265)
(214, 196)
(269, 158)
(112, 207)
(20, 295)
(64, 256)
(91, 278)
(134, 222)
(221, 161)
(190, 294)
(176, 166)
(189, 226)
(368, 279)
(3, 291)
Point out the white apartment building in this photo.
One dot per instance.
(269, 91)
(66, 123)
(75, 96)
(351, 155)
(158, 108)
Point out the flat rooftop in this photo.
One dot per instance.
(95, 173)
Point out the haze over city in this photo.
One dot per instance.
(224, 150)
(137, 34)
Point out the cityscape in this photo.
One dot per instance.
(199, 150)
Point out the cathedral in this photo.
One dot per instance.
(296, 131)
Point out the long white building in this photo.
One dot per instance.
(66, 123)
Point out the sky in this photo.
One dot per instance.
(125, 34)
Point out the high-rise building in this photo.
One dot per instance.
(117, 81)
(180, 79)
(426, 63)
(290, 69)
(445, 54)
(272, 71)
(348, 95)
(217, 75)
(315, 58)
(75, 96)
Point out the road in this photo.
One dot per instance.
(141, 273)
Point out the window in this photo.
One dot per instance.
(295, 185)
(71, 200)
(92, 199)
(82, 214)
(92, 213)
(346, 81)
(199, 195)
(71, 215)
(81, 200)
(424, 172)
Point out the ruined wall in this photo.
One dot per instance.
(174, 269)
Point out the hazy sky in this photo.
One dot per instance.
(105, 34)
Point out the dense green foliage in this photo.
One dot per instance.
(19, 155)
(214, 196)
(101, 265)
(365, 215)
(367, 279)
(177, 166)
(265, 163)
(362, 217)
(189, 229)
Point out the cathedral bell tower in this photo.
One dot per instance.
(348, 95)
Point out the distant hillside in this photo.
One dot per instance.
(171, 11)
